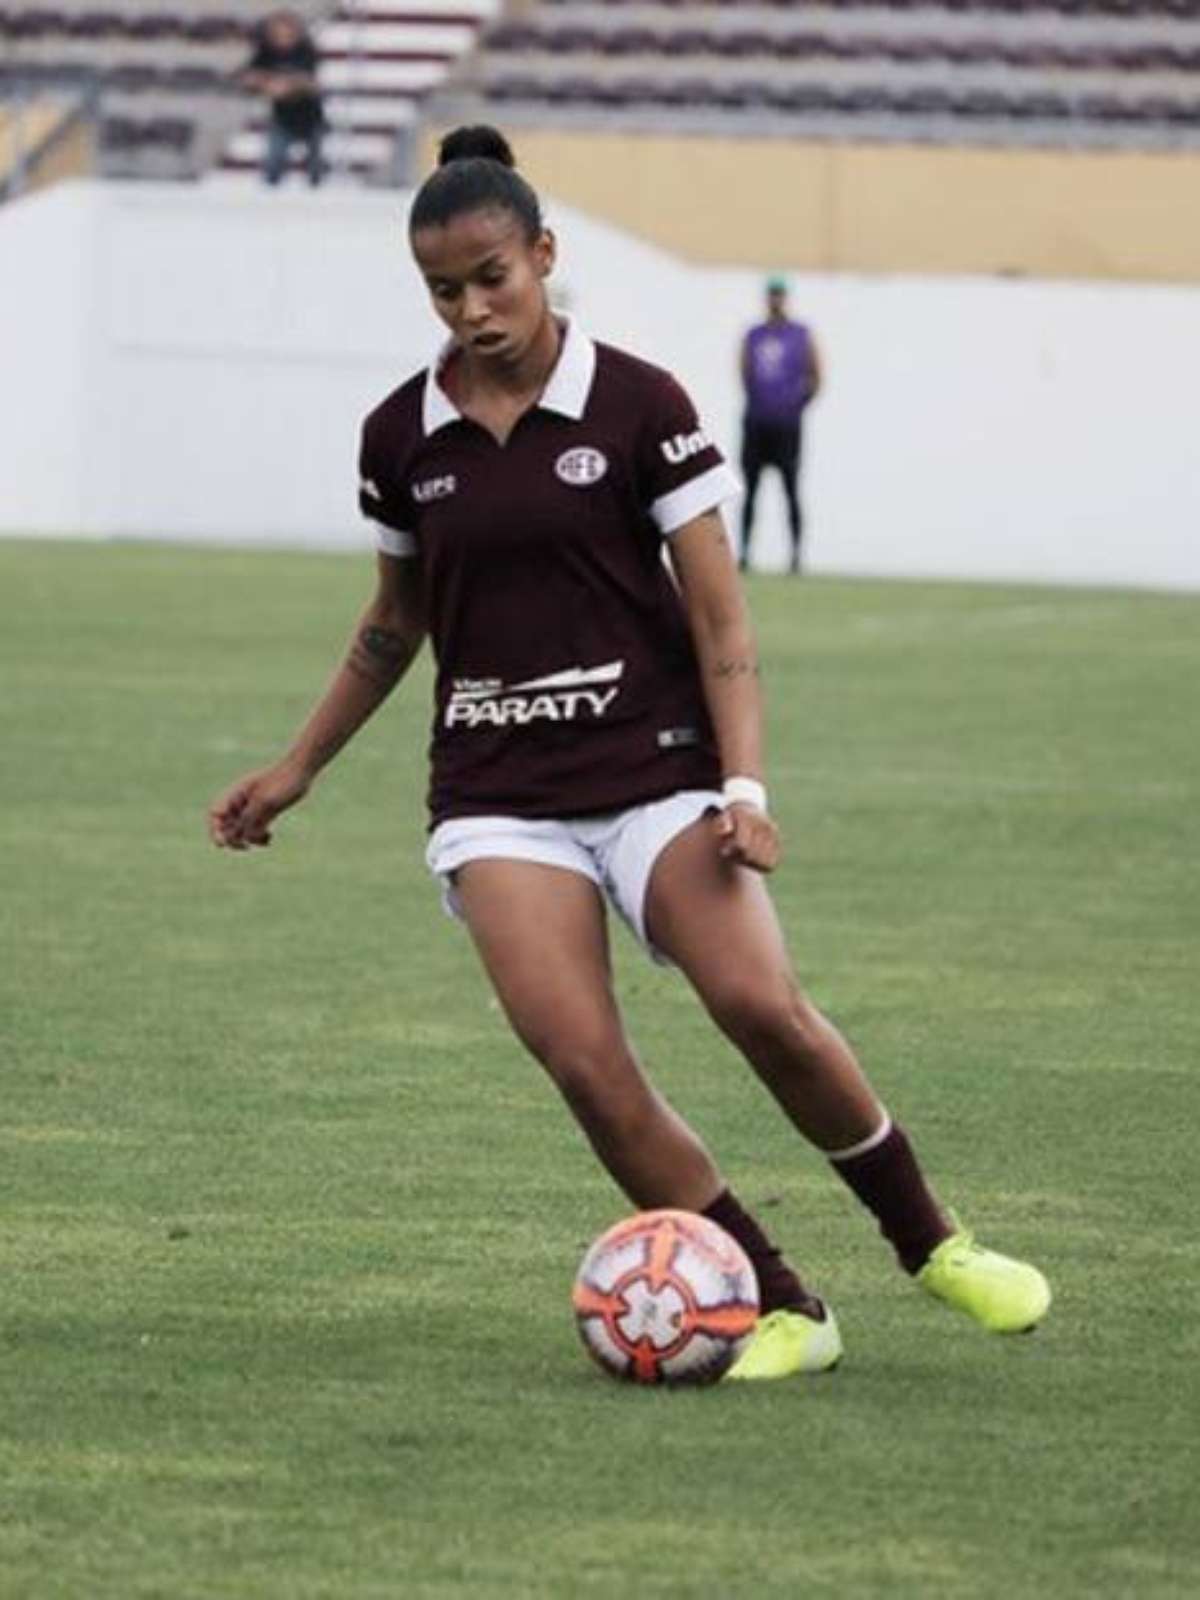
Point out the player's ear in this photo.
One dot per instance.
(545, 253)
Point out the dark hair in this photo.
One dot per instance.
(476, 171)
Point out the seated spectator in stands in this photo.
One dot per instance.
(283, 67)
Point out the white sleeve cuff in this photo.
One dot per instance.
(705, 493)
(392, 542)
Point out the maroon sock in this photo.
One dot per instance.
(888, 1181)
(779, 1289)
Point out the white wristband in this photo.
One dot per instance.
(748, 791)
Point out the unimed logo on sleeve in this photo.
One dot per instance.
(681, 446)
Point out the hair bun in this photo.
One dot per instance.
(478, 141)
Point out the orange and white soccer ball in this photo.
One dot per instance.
(665, 1297)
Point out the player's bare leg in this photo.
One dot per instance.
(541, 934)
(717, 922)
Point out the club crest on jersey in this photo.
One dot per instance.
(434, 488)
(682, 445)
(575, 693)
(581, 467)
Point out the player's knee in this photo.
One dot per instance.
(771, 1020)
(587, 1071)
(603, 1095)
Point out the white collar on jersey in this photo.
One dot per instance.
(566, 392)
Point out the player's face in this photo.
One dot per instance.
(487, 280)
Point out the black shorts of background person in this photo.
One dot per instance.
(778, 445)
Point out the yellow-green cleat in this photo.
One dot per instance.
(1003, 1295)
(786, 1342)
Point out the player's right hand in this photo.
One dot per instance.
(242, 816)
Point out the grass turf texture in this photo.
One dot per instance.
(289, 1222)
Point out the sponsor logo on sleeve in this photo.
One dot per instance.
(577, 694)
(434, 488)
(682, 446)
(581, 467)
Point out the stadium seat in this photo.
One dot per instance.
(891, 68)
(993, 64)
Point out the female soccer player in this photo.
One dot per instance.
(597, 734)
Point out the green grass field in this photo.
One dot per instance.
(289, 1222)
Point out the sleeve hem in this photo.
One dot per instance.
(393, 541)
(705, 493)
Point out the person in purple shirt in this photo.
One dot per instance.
(780, 375)
(597, 741)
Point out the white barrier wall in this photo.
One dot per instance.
(193, 363)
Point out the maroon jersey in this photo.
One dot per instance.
(566, 679)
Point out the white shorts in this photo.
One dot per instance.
(617, 851)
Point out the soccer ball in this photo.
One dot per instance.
(665, 1297)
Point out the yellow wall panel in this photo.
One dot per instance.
(883, 208)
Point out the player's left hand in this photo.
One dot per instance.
(748, 836)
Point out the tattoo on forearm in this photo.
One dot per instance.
(736, 667)
(380, 656)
